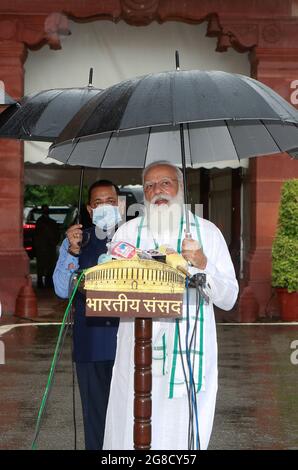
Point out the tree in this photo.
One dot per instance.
(56, 195)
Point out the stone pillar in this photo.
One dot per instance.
(277, 68)
(14, 264)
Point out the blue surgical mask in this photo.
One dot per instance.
(106, 217)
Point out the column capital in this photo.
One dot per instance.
(274, 58)
(12, 50)
(277, 68)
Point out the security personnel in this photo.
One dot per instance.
(94, 339)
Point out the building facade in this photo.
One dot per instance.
(268, 30)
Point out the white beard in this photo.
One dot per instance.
(164, 220)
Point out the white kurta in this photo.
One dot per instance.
(170, 417)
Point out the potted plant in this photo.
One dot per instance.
(285, 252)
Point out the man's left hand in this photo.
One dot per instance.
(193, 253)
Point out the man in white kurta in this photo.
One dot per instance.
(207, 252)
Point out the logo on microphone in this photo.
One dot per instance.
(122, 250)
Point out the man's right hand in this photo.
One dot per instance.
(75, 235)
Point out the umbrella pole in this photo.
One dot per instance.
(80, 194)
(182, 145)
(90, 77)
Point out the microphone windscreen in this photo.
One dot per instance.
(104, 258)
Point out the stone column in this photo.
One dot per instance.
(277, 68)
(14, 264)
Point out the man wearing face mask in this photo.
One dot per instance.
(94, 339)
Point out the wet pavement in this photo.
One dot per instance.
(257, 405)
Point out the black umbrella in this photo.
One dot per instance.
(187, 117)
(42, 116)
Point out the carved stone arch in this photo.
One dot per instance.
(234, 24)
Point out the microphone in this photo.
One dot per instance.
(122, 250)
(142, 254)
(104, 258)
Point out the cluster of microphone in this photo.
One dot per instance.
(124, 250)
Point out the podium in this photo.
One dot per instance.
(140, 289)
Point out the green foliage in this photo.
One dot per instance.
(285, 245)
(288, 211)
(61, 195)
(285, 262)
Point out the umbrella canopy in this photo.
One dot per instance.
(224, 117)
(42, 116)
